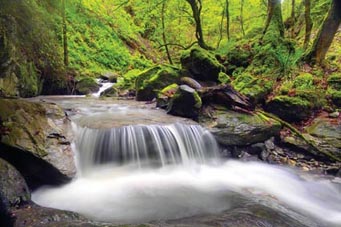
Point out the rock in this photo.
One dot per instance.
(13, 191)
(327, 133)
(256, 89)
(165, 95)
(185, 102)
(190, 82)
(151, 81)
(110, 77)
(241, 129)
(36, 141)
(289, 108)
(87, 85)
(334, 114)
(201, 64)
(334, 88)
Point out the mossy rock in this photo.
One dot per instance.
(304, 81)
(223, 78)
(334, 81)
(186, 102)
(201, 64)
(87, 85)
(335, 96)
(240, 129)
(151, 81)
(127, 81)
(255, 89)
(165, 95)
(289, 108)
(36, 130)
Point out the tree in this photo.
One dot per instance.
(308, 23)
(274, 17)
(227, 19)
(163, 31)
(65, 46)
(196, 6)
(241, 17)
(293, 19)
(326, 34)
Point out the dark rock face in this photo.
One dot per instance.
(13, 191)
(186, 102)
(148, 83)
(201, 65)
(239, 129)
(34, 139)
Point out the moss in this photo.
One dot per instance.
(335, 96)
(169, 89)
(87, 85)
(29, 85)
(334, 81)
(151, 81)
(201, 64)
(290, 108)
(304, 81)
(254, 88)
(127, 81)
(223, 78)
(197, 99)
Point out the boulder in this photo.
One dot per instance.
(327, 134)
(185, 103)
(334, 89)
(240, 129)
(151, 81)
(289, 108)
(87, 85)
(34, 139)
(165, 95)
(13, 191)
(201, 64)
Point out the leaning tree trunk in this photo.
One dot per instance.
(326, 34)
(196, 6)
(274, 18)
(308, 23)
(164, 39)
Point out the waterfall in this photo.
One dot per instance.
(144, 145)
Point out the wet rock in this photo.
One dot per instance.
(151, 81)
(165, 95)
(36, 141)
(241, 129)
(13, 191)
(201, 64)
(185, 102)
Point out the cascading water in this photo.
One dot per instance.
(142, 173)
(144, 145)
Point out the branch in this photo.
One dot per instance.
(179, 45)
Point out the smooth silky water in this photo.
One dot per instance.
(141, 173)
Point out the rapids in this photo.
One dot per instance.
(143, 173)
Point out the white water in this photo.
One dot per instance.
(132, 190)
(105, 86)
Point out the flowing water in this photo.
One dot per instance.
(104, 86)
(162, 168)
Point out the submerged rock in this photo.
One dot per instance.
(241, 129)
(185, 102)
(34, 139)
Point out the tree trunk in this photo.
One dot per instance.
(65, 46)
(163, 32)
(274, 17)
(293, 19)
(227, 19)
(326, 34)
(241, 17)
(308, 23)
(196, 6)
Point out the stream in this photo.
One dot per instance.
(135, 164)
